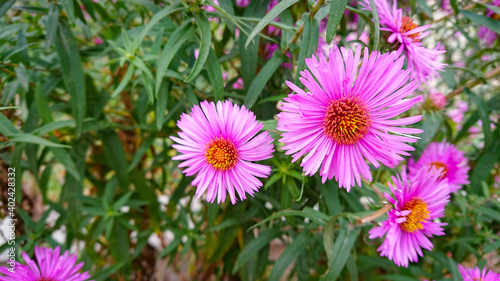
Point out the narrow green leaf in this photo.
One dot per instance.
(341, 249)
(28, 138)
(69, 8)
(485, 163)
(309, 43)
(206, 39)
(315, 216)
(8, 107)
(52, 23)
(423, 5)
(270, 16)
(115, 155)
(260, 81)
(483, 115)
(337, 9)
(490, 23)
(178, 38)
(125, 80)
(161, 104)
(376, 36)
(215, 75)
(5, 6)
(252, 247)
(43, 108)
(291, 252)
(156, 18)
(6, 126)
(72, 72)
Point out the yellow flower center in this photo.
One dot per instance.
(444, 170)
(418, 215)
(407, 25)
(346, 120)
(221, 154)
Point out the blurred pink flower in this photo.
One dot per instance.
(98, 41)
(487, 35)
(437, 99)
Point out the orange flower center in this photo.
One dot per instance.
(444, 169)
(419, 214)
(221, 154)
(346, 120)
(407, 25)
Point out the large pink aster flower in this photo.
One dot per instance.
(346, 119)
(407, 35)
(474, 274)
(217, 142)
(51, 267)
(410, 223)
(446, 156)
(487, 35)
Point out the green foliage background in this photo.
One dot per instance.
(89, 138)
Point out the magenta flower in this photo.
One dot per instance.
(446, 156)
(346, 119)
(407, 36)
(218, 143)
(474, 274)
(51, 267)
(242, 3)
(410, 223)
(487, 35)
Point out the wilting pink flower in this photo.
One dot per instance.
(49, 265)
(446, 156)
(410, 223)
(407, 35)
(437, 99)
(218, 143)
(487, 35)
(475, 274)
(346, 120)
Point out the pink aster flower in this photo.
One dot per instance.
(410, 223)
(51, 266)
(474, 274)
(446, 156)
(407, 36)
(218, 143)
(487, 35)
(438, 100)
(242, 3)
(346, 119)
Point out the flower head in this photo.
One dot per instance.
(49, 266)
(446, 156)
(218, 143)
(407, 36)
(346, 119)
(476, 274)
(410, 223)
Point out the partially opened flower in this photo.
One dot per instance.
(218, 143)
(407, 36)
(49, 266)
(410, 223)
(487, 35)
(476, 274)
(446, 156)
(346, 117)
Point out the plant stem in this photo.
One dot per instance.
(373, 216)
(473, 83)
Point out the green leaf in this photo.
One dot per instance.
(483, 115)
(431, 122)
(252, 247)
(215, 75)
(43, 108)
(8, 107)
(115, 155)
(490, 23)
(260, 81)
(28, 138)
(376, 36)
(161, 104)
(291, 252)
(308, 45)
(156, 18)
(52, 23)
(339, 252)
(178, 38)
(69, 8)
(270, 16)
(206, 39)
(427, 10)
(5, 6)
(308, 212)
(337, 9)
(485, 163)
(125, 80)
(72, 72)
